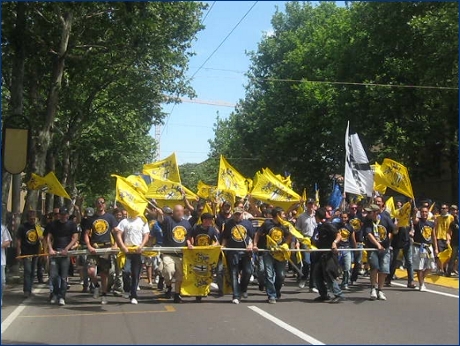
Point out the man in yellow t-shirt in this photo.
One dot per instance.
(441, 226)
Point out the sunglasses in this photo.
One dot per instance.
(100, 202)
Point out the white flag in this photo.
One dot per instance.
(359, 178)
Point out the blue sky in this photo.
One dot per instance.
(189, 127)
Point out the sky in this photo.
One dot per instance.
(189, 126)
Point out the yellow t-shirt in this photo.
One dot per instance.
(442, 226)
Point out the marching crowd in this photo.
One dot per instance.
(253, 232)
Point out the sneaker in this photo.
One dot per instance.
(272, 301)
(96, 293)
(117, 294)
(125, 295)
(53, 300)
(157, 279)
(387, 284)
(235, 301)
(245, 295)
(61, 301)
(381, 296)
(177, 298)
(322, 299)
(161, 284)
(27, 294)
(168, 293)
(138, 288)
(422, 288)
(251, 279)
(214, 286)
(261, 287)
(337, 299)
(411, 285)
(313, 290)
(373, 294)
(345, 287)
(278, 294)
(104, 300)
(134, 301)
(302, 283)
(198, 299)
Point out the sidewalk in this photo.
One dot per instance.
(432, 278)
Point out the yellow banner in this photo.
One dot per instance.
(199, 266)
(230, 179)
(403, 215)
(138, 183)
(396, 177)
(36, 182)
(54, 186)
(390, 206)
(130, 198)
(166, 169)
(267, 188)
(227, 276)
(166, 190)
(205, 191)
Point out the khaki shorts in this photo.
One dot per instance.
(103, 264)
(172, 268)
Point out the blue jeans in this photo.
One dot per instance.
(261, 270)
(274, 275)
(59, 269)
(306, 264)
(3, 280)
(325, 282)
(238, 261)
(30, 265)
(357, 261)
(407, 253)
(345, 261)
(132, 268)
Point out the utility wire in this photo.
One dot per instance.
(225, 39)
(206, 15)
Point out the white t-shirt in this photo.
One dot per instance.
(6, 236)
(133, 230)
(306, 223)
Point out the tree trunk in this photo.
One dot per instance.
(50, 202)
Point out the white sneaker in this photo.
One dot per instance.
(53, 300)
(382, 296)
(126, 295)
(422, 288)
(302, 283)
(373, 294)
(104, 300)
(313, 290)
(214, 286)
(235, 301)
(61, 301)
(96, 293)
(138, 288)
(157, 279)
(251, 279)
(134, 301)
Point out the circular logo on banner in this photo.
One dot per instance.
(31, 236)
(382, 232)
(239, 233)
(356, 224)
(426, 232)
(276, 234)
(100, 226)
(178, 234)
(345, 234)
(202, 240)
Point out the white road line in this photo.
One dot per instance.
(11, 317)
(431, 291)
(286, 326)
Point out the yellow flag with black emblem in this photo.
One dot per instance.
(36, 182)
(205, 191)
(227, 276)
(390, 206)
(138, 183)
(206, 209)
(403, 215)
(396, 177)
(54, 186)
(167, 192)
(300, 237)
(166, 169)
(230, 179)
(199, 266)
(134, 202)
(379, 179)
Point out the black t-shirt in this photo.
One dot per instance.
(454, 228)
(277, 232)
(30, 245)
(175, 233)
(221, 220)
(238, 235)
(346, 231)
(401, 239)
(324, 235)
(62, 233)
(204, 237)
(357, 225)
(257, 222)
(423, 231)
(85, 224)
(380, 229)
(101, 227)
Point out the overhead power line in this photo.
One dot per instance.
(207, 13)
(225, 39)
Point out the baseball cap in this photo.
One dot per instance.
(89, 211)
(372, 207)
(453, 206)
(167, 210)
(238, 210)
(63, 210)
(310, 200)
(205, 216)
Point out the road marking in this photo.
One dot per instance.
(311, 340)
(430, 291)
(168, 308)
(11, 317)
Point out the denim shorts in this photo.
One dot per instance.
(380, 260)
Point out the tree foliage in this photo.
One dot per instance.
(302, 91)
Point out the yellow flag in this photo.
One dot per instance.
(222, 196)
(390, 206)
(230, 179)
(267, 188)
(36, 182)
(300, 237)
(166, 169)
(379, 179)
(190, 194)
(164, 189)
(199, 265)
(134, 202)
(206, 209)
(403, 215)
(396, 177)
(227, 276)
(301, 207)
(280, 252)
(54, 186)
(445, 255)
(205, 191)
(138, 183)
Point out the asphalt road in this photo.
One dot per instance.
(407, 317)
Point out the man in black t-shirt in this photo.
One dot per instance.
(28, 243)
(62, 235)
(274, 232)
(85, 224)
(175, 233)
(453, 232)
